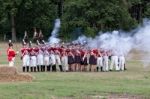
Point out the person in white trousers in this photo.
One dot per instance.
(64, 61)
(121, 61)
(105, 61)
(114, 61)
(99, 61)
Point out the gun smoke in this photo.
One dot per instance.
(53, 39)
(121, 43)
(118, 42)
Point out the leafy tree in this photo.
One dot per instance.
(26, 14)
(77, 16)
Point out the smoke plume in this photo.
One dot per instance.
(121, 43)
(53, 39)
(118, 42)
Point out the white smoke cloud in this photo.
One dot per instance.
(81, 40)
(121, 43)
(142, 41)
(53, 39)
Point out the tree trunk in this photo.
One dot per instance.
(60, 8)
(13, 29)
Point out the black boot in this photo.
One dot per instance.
(50, 68)
(54, 68)
(23, 69)
(60, 67)
(38, 68)
(47, 68)
(34, 69)
(101, 68)
(27, 68)
(125, 67)
(31, 69)
(43, 68)
(97, 68)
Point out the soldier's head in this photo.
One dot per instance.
(10, 44)
(52, 52)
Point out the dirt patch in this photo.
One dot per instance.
(10, 74)
(119, 96)
(109, 96)
(125, 96)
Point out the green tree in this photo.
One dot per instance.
(86, 16)
(26, 14)
(147, 9)
(97, 15)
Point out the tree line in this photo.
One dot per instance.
(78, 17)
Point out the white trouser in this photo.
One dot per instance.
(40, 59)
(114, 61)
(105, 60)
(58, 61)
(26, 60)
(33, 61)
(11, 63)
(52, 59)
(64, 61)
(46, 60)
(99, 62)
(121, 62)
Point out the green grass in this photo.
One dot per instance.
(134, 81)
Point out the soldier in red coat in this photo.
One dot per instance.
(25, 57)
(11, 54)
(84, 61)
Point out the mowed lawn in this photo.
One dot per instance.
(135, 81)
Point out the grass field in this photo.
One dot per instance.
(133, 83)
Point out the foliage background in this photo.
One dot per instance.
(78, 17)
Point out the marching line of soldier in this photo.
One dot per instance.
(64, 57)
(67, 57)
(71, 58)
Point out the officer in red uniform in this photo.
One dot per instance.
(11, 54)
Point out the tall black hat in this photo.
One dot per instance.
(30, 44)
(25, 38)
(24, 42)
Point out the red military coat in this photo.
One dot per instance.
(10, 54)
